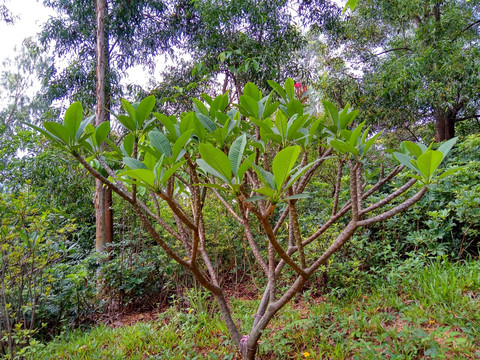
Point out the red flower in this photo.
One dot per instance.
(297, 85)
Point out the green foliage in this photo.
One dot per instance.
(406, 78)
(37, 291)
(136, 279)
(237, 42)
(430, 313)
(425, 161)
(444, 224)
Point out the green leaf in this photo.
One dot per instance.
(127, 145)
(283, 164)
(102, 132)
(50, 136)
(82, 126)
(245, 166)
(353, 141)
(217, 160)
(265, 176)
(236, 153)
(167, 122)
(169, 172)
(87, 133)
(256, 198)
(413, 148)
(370, 142)
(342, 147)
(113, 146)
(346, 117)
(158, 169)
(281, 124)
(58, 130)
(428, 162)
(127, 122)
(160, 142)
(199, 107)
(73, 119)
(278, 89)
(294, 106)
(270, 109)
(447, 146)
(298, 196)
(274, 137)
(251, 90)
(150, 159)
(143, 175)
(332, 113)
(299, 173)
(404, 160)
(290, 88)
(270, 193)
(250, 105)
(144, 109)
(219, 104)
(452, 171)
(188, 122)
(180, 143)
(209, 185)
(134, 163)
(131, 112)
(351, 4)
(294, 125)
(210, 170)
(207, 123)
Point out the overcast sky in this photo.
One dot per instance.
(31, 16)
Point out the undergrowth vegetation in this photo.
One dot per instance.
(432, 313)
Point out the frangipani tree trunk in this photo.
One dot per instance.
(257, 158)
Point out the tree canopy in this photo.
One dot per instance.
(408, 62)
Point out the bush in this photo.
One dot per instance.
(37, 272)
(137, 277)
(445, 223)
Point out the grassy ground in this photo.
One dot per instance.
(430, 314)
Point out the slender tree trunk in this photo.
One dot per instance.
(103, 195)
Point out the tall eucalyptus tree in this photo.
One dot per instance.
(93, 41)
(103, 196)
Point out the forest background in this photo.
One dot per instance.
(411, 68)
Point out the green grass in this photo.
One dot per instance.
(433, 313)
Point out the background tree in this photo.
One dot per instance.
(100, 38)
(135, 36)
(230, 43)
(103, 196)
(407, 62)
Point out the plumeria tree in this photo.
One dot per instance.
(257, 158)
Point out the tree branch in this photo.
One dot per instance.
(395, 49)
(390, 197)
(463, 30)
(474, 116)
(403, 206)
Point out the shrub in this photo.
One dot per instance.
(257, 159)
